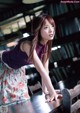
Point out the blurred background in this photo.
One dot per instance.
(15, 23)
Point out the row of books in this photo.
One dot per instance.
(61, 73)
(60, 8)
(65, 73)
(65, 51)
(68, 27)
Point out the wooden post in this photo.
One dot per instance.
(75, 91)
(75, 106)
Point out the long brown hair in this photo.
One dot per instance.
(37, 24)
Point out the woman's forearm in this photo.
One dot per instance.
(47, 82)
(44, 88)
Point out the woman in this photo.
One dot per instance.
(35, 51)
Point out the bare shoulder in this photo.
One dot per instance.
(25, 47)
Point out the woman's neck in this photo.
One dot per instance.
(43, 42)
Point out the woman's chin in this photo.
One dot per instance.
(51, 38)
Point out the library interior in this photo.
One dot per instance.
(16, 17)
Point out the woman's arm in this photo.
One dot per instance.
(44, 88)
(45, 76)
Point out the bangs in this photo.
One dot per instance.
(51, 21)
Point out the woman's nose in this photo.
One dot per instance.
(50, 30)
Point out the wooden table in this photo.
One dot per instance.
(41, 106)
(37, 104)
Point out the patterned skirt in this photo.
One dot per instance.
(13, 85)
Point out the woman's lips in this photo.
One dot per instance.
(51, 35)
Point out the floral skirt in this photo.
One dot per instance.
(13, 85)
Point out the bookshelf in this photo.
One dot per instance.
(67, 57)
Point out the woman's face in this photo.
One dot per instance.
(47, 32)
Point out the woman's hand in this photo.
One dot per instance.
(57, 95)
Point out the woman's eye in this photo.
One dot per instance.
(53, 26)
(45, 27)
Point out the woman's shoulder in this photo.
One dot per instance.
(25, 47)
(25, 42)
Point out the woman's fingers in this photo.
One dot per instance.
(55, 97)
(60, 96)
(58, 91)
(49, 98)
